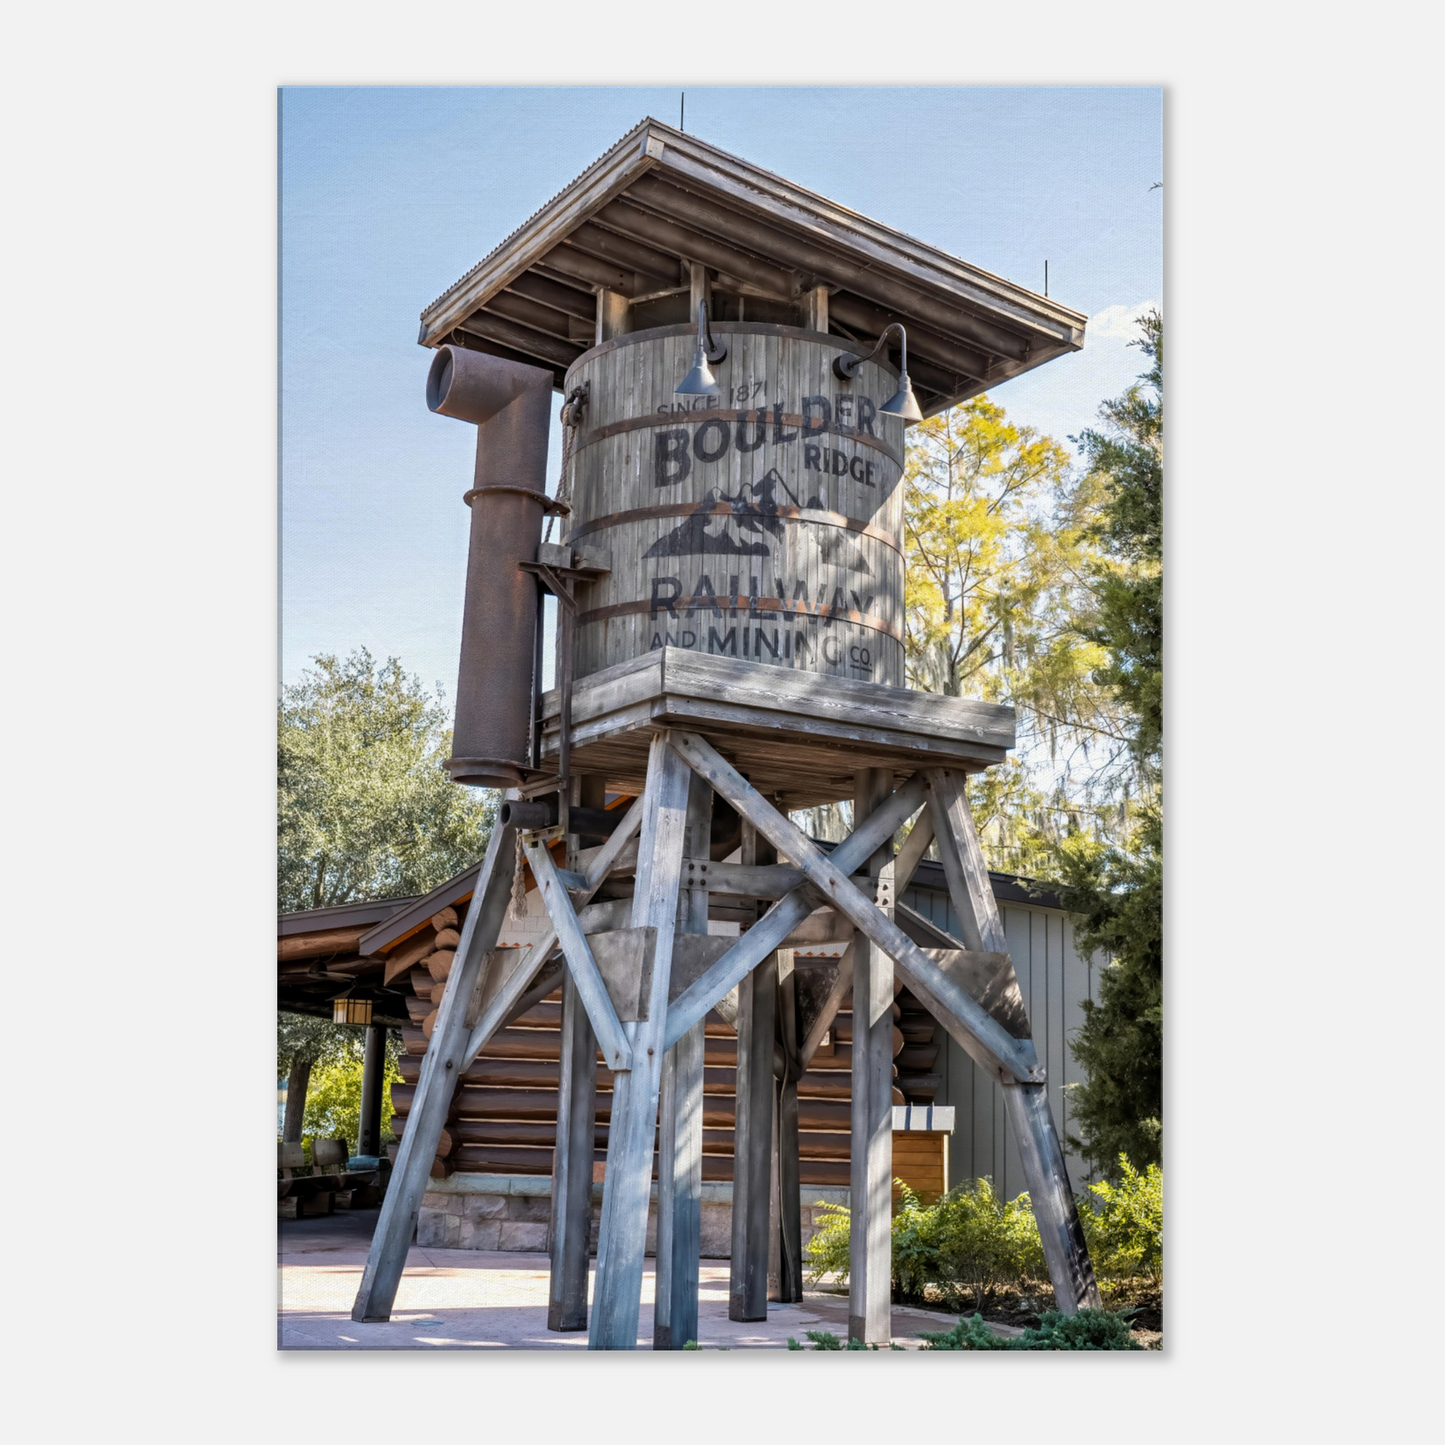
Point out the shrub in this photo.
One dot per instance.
(1124, 1224)
(826, 1340)
(967, 1334)
(1087, 1330)
(984, 1241)
(969, 1241)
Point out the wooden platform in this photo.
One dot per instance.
(796, 735)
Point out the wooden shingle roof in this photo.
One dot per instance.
(660, 199)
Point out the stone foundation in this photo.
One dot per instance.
(512, 1212)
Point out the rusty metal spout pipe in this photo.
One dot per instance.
(544, 813)
(511, 406)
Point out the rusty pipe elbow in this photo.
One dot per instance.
(474, 387)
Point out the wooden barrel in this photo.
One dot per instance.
(764, 523)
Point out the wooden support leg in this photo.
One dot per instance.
(753, 1124)
(1060, 1230)
(571, 1224)
(785, 1254)
(679, 1162)
(1027, 1105)
(572, 1166)
(623, 1234)
(441, 1066)
(870, 1282)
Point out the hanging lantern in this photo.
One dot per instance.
(348, 1010)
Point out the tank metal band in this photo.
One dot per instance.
(682, 418)
(724, 509)
(760, 609)
(550, 505)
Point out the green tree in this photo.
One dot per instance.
(1117, 894)
(322, 1063)
(1117, 890)
(303, 1042)
(333, 1104)
(366, 809)
(1128, 458)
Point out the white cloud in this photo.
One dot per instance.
(1120, 321)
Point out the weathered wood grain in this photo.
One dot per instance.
(680, 1124)
(870, 1200)
(753, 1138)
(500, 1005)
(986, 1039)
(785, 1249)
(1054, 1207)
(580, 963)
(818, 1017)
(989, 976)
(571, 1224)
(784, 916)
(441, 1068)
(407, 953)
(623, 1230)
(963, 863)
(676, 673)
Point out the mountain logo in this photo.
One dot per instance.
(750, 518)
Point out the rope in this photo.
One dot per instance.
(572, 410)
(518, 908)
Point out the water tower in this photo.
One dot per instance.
(739, 359)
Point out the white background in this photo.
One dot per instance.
(1304, 791)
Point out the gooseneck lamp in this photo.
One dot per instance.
(902, 403)
(700, 381)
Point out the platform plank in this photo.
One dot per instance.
(798, 735)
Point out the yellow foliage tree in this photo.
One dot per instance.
(999, 553)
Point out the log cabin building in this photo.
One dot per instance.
(500, 1131)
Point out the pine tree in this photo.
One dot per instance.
(1117, 892)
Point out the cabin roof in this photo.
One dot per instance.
(660, 199)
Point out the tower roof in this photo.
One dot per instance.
(660, 199)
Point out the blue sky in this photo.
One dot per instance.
(388, 195)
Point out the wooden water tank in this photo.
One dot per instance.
(763, 523)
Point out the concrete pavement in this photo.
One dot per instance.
(461, 1299)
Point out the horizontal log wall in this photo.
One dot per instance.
(503, 1115)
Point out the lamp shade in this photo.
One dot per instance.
(903, 403)
(699, 381)
(348, 1010)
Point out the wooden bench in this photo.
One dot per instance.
(328, 1184)
(355, 1188)
(300, 1189)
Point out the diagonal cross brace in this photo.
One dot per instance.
(910, 855)
(986, 1039)
(517, 982)
(784, 916)
(580, 963)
